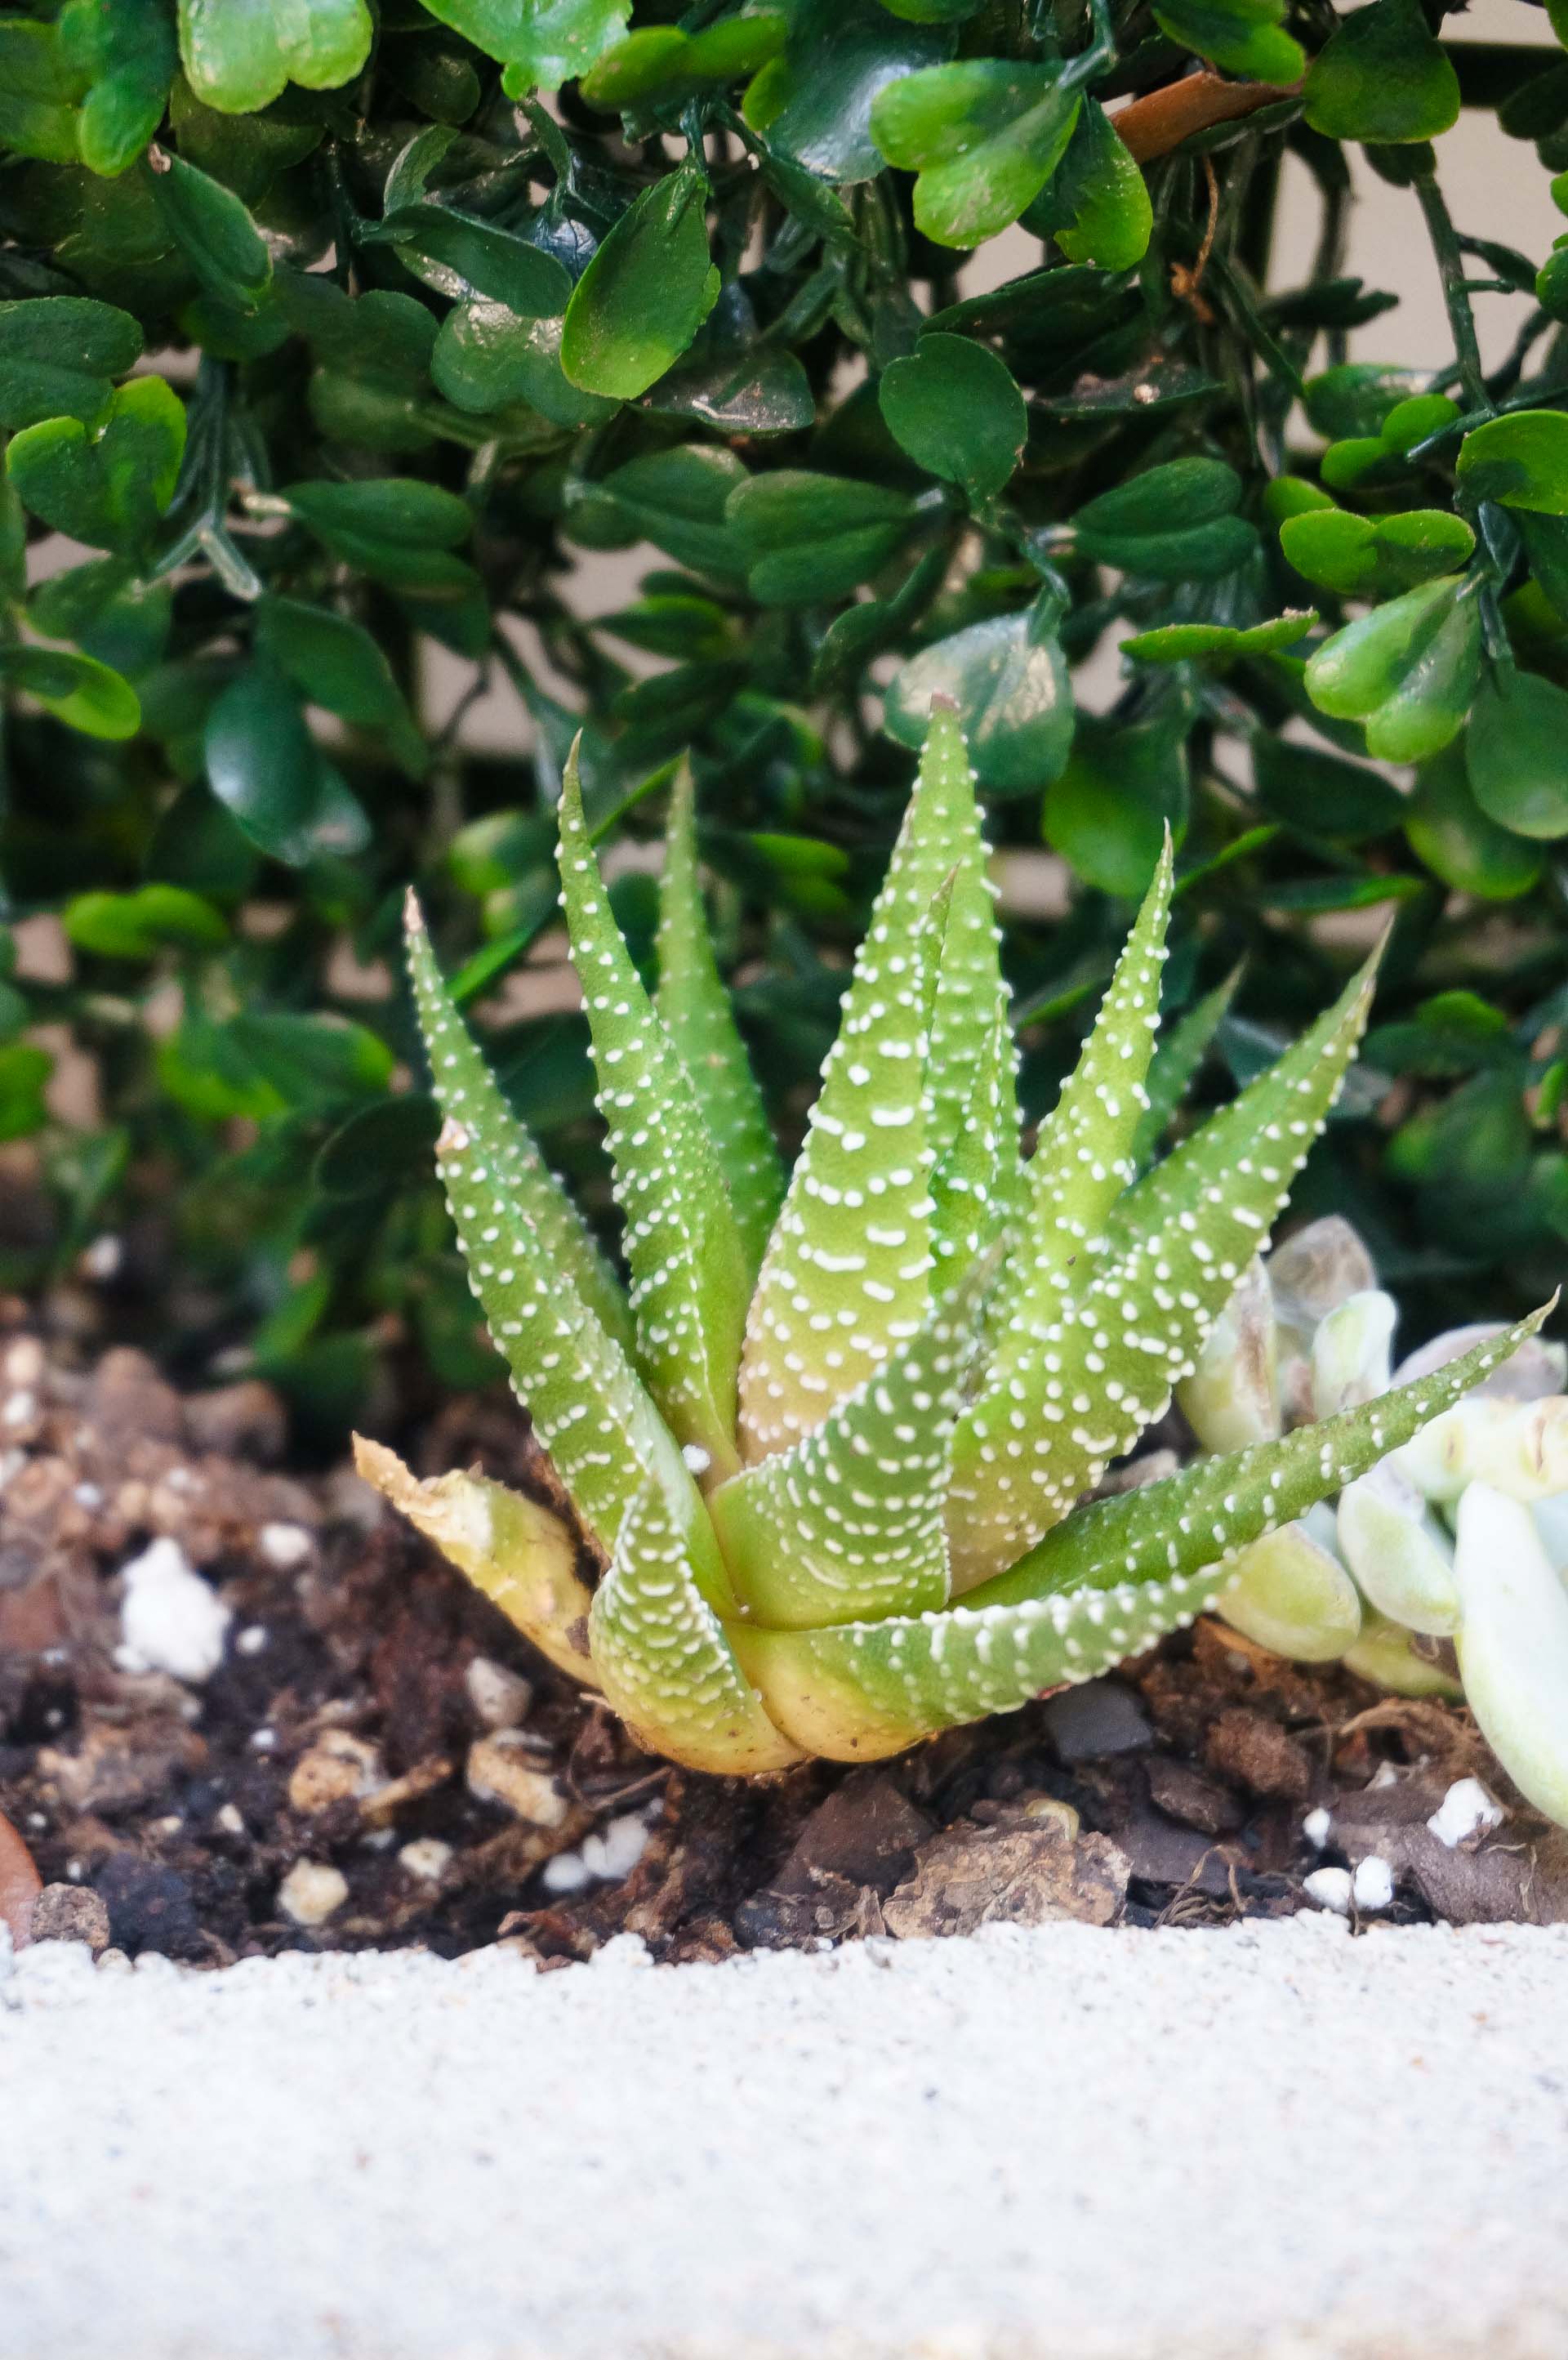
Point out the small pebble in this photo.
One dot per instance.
(171, 1620)
(252, 1640)
(312, 1892)
(1466, 1810)
(227, 1817)
(427, 1858)
(1329, 1888)
(500, 1771)
(338, 1768)
(1372, 1886)
(285, 1545)
(500, 1698)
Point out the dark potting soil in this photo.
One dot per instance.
(333, 1742)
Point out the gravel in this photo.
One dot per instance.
(1280, 2142)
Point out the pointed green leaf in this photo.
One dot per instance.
(697, 1015)
(681, 1243)
(667, 1665)
(850, 1521)
(970, 990)
(225, 251)
(1082, 1161)
(978, 1180)
(588, 1406)
(466, 1093)
(1178, 1242)
(1177, 1060)
(869, 1690)
(645, 293)
(848, 1271)
(1164, 1537)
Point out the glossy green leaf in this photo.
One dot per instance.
(77, 689)
(1242, 37)
(808, 538)
(58, 356)
(1173, 523)
(659, 65)
(1409, 670)
(1520, 460)
(1321, 795)
(645, 293)
(1450, 833)
(397, 528)
(335, 662)
(107, 488)
(477, 257)
(984, 137)
(225, 251)
(129, 57)
(1516, 751)
(265, 768)
(1098, 205)
(40, 85)
(1372, 557)
(240, 54)
(138, 925)
(815, 101)
(542, 43)
(1122, 787)
(1381, 76)
(1010, 683)
(485, 356)
(955, 408)
(678, 499)
(1220, 644)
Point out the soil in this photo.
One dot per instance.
(330, 1742)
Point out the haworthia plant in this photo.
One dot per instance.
(809, 1426)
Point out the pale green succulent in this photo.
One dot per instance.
(837, 1442)
(1458, 1537)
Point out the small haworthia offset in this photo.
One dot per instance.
(827, 1408)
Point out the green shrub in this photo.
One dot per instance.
(339, 340)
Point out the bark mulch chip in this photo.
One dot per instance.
(243, 1710)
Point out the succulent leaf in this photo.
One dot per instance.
(863, 1690)
(1166, 1533)
(668, 1668)
(1513, 1645)
(1293, 1595)
(588, 1406)
(1082, 1161)
(697, 1015)
(1176, 1059)
(977, 1181)
(466, 1094)
(1397, 1551)
(521, 1553)
(1043, 1432)
(850, 1521)
(682, 1245)
(971, 994)
(847, 1275)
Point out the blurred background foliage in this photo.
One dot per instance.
(344, 347)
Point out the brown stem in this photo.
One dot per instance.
(1153, 126)
(19, 1883)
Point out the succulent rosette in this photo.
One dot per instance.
(836, 1444)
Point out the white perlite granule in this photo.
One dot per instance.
(171, 1620)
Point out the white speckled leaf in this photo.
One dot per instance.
(977, 1183)
(1170, 1533)
(467, 1095)
(1083, 1160)
(869, 1690)
(688, 1268)
(970, 990)
(1045, 1430)
(695, 1008)
(666, 1664)
(847, 1275)
(850, 1521)
(587, 1403)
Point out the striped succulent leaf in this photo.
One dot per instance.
(944, 1347)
